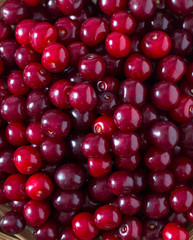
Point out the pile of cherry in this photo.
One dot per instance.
(96, 118)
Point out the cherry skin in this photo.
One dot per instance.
(156, 44)
(25, 55)
(109, 7)
(7, 50)
(18, 206)
(67, 233)
(95, 146)
(22, 31)
(164, 135)
(99, 167)
(6, 161)
(189, 73)
(79, 100)
(35, 76)
(84, 227)
(15, 83)
(149, 115)
(125, 144)
(13, 12)
(137, 67)
(181, 199)
(3, 199)
(182, 168)
(39, 186)
(70, 176)
(53, 150)
(152, 229)
(173, 231)
(1, 67)
(186, 23)
(68, 200)
(53, 9)
(165, 95)
(107, 103)
(132, 92)
(129, 204)
(81, 16)
(155, 205)
(93, 31)
(13, 222)
(55, 124)
(55, 57)
(32, 3)
(48, 230)
(76, 50)
(118, 44)
(171, 68)
(130, 228)
(183, 111)
(36, 213)
(123, 22)
(157, 159)
(180, 7)
(41, 35)
(142, 9)
(5, 30)
(107, 217)
(105, 126)
(27, 159)
(127, 117)
(34, 133)
(15, 134)
(121, 182)
(14, 187)
(13, 108)
(129, 163)
(68, 7)
(91, 67)
(108, 84)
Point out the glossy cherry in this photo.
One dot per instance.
(48, 230)
(34, 133)
(67, 233)
(109, 7)
(173, 231)
(68, 7)
(142, 10)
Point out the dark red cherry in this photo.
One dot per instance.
(111, 6)
(18, 206)
(34, 133)
(5, 30)
(173, 231)
(107, 103)
(129, 163)
(48, 230)
(142, 9)
(81, 16)
(137, 67)
(8, 48)
(180, 7)
(67, 233)
(69, 7)
(152, 229)
(40, 14)
(6, 161)
(180, 218)
(108, 84)
(164, 135)
(156, 44)
(13, 11)
(186, 23)
(36, 213)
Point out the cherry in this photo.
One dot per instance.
(91, 67)
(31, 3)
(132, 92)
(53, 150)
(55, 124)
(15, 83)
(130, 228)
(155, 205)
(93, 31)
(8, 48)
(48, 230)
(180, 218)
(157, 159)
(13, 11)
(3, 198)
(39, 186)
(64, 218)
(99, 167)
(36, 213)
(81, 16)
(125, 144)
(186, 23)
(149, 115)
(25, 55)
(171, 68)
(15, 134)
(6, 161)
(181, 199)
(27, 159)
(137, 67)
(55, 57)
(34, 133)
(14, 187)
(2, 67)
(13, 222)
(156, 44)
(23, 29)
(107, 103)
(173, 231)
(35, 76)
(40, 14)
(152, 229)
(70, 176)
(5, 30)
(68, 200)
(17, 206)
(13, 108)
(142, 9)
(127, 117)
(109, 7)
(41, 35)
(165, 95)
(180, 7)
(118, 44)
(129, 163)
(123, 22)
(67, 233)
(108, 84)
(68, 7)
(164, 135)
(79, 100)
